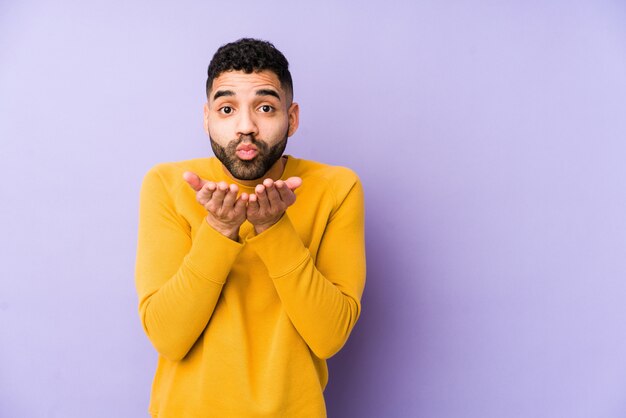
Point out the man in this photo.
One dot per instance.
(250, 266)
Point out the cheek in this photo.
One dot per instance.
(276, 129)
(219, 131)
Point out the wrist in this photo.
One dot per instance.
(258, 228)
(229, 231)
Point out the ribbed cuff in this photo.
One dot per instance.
(212, 254)
(279, 247)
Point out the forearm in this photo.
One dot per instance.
(175, 315)
(175, 309)
(324, 309)
(322, 314)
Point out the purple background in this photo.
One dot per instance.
(490, 137)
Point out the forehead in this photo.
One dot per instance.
(240, 81)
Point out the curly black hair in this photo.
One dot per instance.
(250, 55)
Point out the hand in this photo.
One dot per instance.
(270, 200)
(226, 212)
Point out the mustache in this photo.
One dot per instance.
(259, 143)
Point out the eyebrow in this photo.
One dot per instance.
(221, 93)
(267, 92)
(261, 92)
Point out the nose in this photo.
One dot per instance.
(246, 123)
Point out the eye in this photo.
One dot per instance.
(266, 108)
(227, 110)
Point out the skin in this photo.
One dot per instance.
(247, 109)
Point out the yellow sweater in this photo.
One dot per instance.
(243, 328)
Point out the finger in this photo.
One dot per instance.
(274, 197)
(253, 205)
(205, 193)
(259, 191)
(286, 195)
(241, 204)
(293, 182)
(231, 196)
(218, 196)
(193, 180)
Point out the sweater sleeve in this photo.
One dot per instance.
(178, 278)
(321, 298)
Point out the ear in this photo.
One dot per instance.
(206, 118)
(294, 118)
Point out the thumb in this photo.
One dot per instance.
(293, 183)
(193, 180)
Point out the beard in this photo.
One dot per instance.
(249, 169)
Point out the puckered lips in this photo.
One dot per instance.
(247, 151)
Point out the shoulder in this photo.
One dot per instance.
(338, 179)
(168, 176)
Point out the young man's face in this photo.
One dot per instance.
(248, 118)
